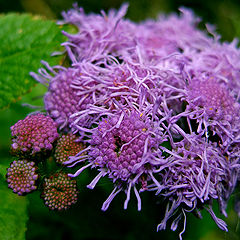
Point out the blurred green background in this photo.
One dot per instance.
(85, 220)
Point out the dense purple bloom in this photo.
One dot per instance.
(59, 191)
(213, 98)
(33, 134)
(99, 35)
(120, 149)
(133, 89)
(213, 106)
(77, 97)
(167, 37)
(216, 59)
(63, 99)
(195, 173)
(124, 148)
(21, 176)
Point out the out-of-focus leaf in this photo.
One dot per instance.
(13, 214)
(4, 164)
(25, 41)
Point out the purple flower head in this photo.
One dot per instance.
(121, 149)
(167, 36)
(98, 35)
(90, 92)
(195, 173)
(124, 148)
(63, 99)
(214, 106)
(126, 85)
(67, 145)
(79, 95)
(59, 191)
(220, 60)
(21, 177)
(131, 90)
(214, 98)
(33, 134)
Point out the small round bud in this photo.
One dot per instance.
(33, 134)
(21, 176)
(60, 191)
(67, 146)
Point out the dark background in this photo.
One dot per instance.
(85, 220)
(219, 12)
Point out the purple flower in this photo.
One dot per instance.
(59, 191)
(213, 98)
(78, 96)
(21, 177)
(214, 106)
(132, 89)
(69, 91)
(61, 100)
(168, 36)
(195, 173)
(219, 60)
(33, 134)
(124, 148)
(98, 35)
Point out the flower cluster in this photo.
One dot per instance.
(36, 139)
(196, 173)
(60, 191)
(121, 149)
(156, 106)
(33, 134)
(67, 146)
(21, 176)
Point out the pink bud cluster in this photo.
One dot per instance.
(21, 176)
(33, 134)
(59, 192)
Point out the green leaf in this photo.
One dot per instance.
(25, 41)
(4, 164)
(13, 214)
